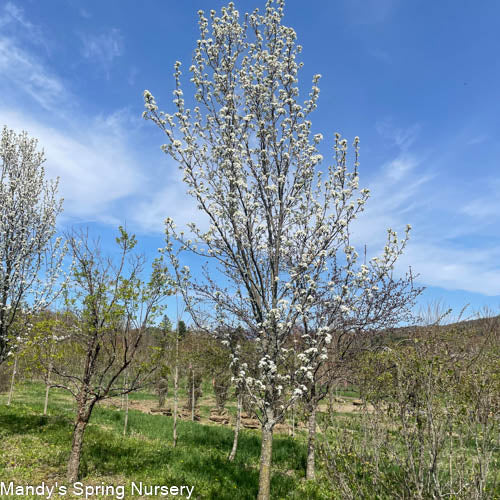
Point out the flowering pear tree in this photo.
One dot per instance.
(30, 256)
(276, 222)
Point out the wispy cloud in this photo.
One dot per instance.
(401, 137)
(84, 13)
(478, 139)
(400, 167)
(103, 48)
(170, 200)
(132, 75)
(370, 11)
(380, 55)
(112, 171)
(444, 266)
(96, 168)
(91, 155)
(13, 20)
(23, 68)
(486, 205)
(409, 189)
(25, 72)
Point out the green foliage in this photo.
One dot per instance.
(182, 329)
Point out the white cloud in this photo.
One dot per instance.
(478, 139)
(403, 138)
(102, 48)
(96, 168)
(410, 189)
(482, 208)
(369, 11)
(84, 13)
(106, 176)
(485, 207)
(12, 13)
(26, 73)
(441, 265)
(400, 167)
(380, 55)
(169, 199)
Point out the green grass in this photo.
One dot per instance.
(351, 392)
(36, 448)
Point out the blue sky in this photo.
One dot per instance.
(418, 82)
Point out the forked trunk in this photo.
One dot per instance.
(232, 455)
(265, 463)
(311, 445)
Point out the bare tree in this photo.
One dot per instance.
(112, 308)
(30, 257)
(276, 224)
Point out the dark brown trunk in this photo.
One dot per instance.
(311, 445)
(265, 463)
(82, 419)
(76, 450)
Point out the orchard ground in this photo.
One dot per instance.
(35, 447)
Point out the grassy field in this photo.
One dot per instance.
(35, 449)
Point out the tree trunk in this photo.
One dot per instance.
(311, 445)
(76, 447)
(176, 386)
(265, 463)
(192, 399)
(125, 423)
(47, 388)
(12, 380)
(232, 455)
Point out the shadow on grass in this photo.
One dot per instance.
(206, 469)
(200, 459)
(19, 420)
(287, 452)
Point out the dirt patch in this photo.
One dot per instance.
(116, 403)
(347, 406)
